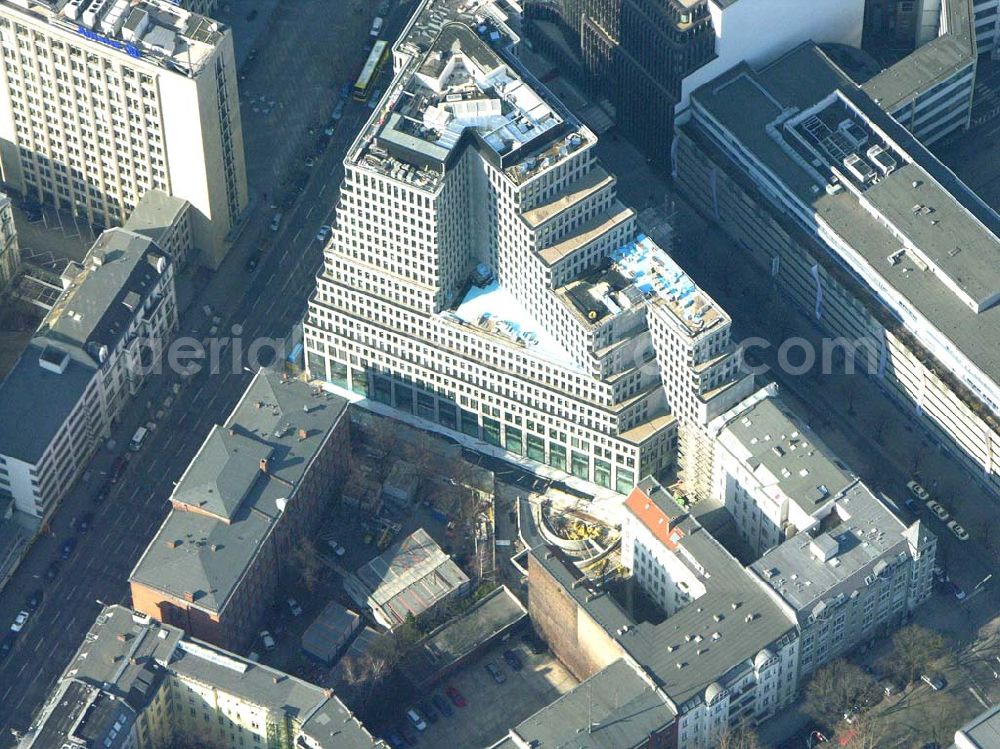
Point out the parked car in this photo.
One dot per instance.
(394, 740)
(84, 522)
(911, 505)
(276, 221)
(409, 736)
(535, 643)
(957, 591)
(34, 600)
(456, 697)
(338, 110)
(443, 706)
(294, 607)
(496, 673)
(918, 491)
(960, 533)
(323, 233)
(66, 550)
(416, 720)
(938, 509)
(934, 681)
(267, 640)
(336, 548)
(19, 621)
(52, 571)
(102, 494)
(512, 660)
(252, 261)
(118, 468)
(428, 711)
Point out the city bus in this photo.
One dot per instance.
(363, 86)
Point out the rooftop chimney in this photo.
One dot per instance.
(265, 466)
(303, 434)
(189, 596)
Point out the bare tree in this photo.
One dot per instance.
(915, 650)
(867, 731)
(739, 737)
(834, 689)
(306, 565)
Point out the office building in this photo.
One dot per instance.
(135, 683)
(102, 100)
(258, 484)
(167, 221)
(647, 57)
(483, 275)
(106, 333)
(866, 230)
(987, 15)
(10, 251)
(930, 91)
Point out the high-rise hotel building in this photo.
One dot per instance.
(483, 275)
(102, 100)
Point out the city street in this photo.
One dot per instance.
(266, 302)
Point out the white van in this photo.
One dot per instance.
(138, 438)
(416, 719)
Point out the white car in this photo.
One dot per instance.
(323, 233)
(960, 533)
(938, 509)
(918, 491)
(294, 607)
(267, 640)
(19, 621)
(336, 548)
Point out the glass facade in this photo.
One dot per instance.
(491, 431)
(581, 466)
(448, 415)
(536, 448)
(602, 473)
(359, 382)
(514, 442)
(470, 423)
(557, 456)
(625, 481)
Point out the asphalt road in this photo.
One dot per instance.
(266, 302)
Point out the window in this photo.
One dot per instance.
(581, 466)
(514, 443)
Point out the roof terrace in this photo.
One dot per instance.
(458, 89)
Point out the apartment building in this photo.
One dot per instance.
(103, 100)
(725, 652)
(841, 563)
(483, 275)
(866, 230)
(167, 221)
(10, 251)
(257, 485)
(771, 471)
(91, 354)
(135, 683)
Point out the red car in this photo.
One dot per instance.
(456, 697)
(118, 468)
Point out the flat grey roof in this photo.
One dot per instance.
(329, 631)
(780, 448)
(496, 613)
(929, 64)
(745, 102)
(206, 555)
(983, 731)
(614, 709)
(156, 213)
(859, 532)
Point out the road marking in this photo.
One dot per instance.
(322, 189)
(296, 237)
(309, 212)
